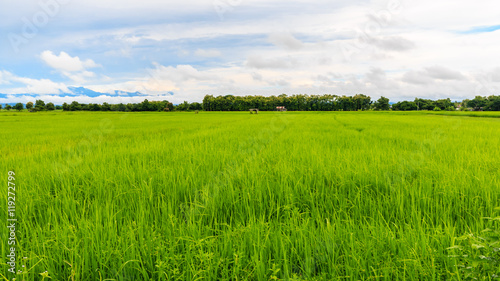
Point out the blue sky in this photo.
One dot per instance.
(482, 29)
(184, 50)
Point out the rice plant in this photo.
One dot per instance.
(238, 196)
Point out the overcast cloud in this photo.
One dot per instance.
(180, 51)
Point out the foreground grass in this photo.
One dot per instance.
(234, 196)
(486, 114)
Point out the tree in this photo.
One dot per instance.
(145, 106)
(106, 107)
(19, 106)
(0, 107)
(405, 106)
(361, 102)
(94, 107)
(293, 103)
(382, 104)
(66, 107)
(183, 106)
(121, 107)
(424, 104)
(8, 107)
(208, 103)
(29, 106)
(39, 105)
(50, 106)
(195, 106)
(493, 103)
(162, 105)
(169, 106)
(444, 104)
(75, 106)
(136, 107)
(477, 103)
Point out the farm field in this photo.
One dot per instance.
(235, 196)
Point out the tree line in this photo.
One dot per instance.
(142, 106)
(293, 103)
(491, 103)
(342, 103)
(145, 105)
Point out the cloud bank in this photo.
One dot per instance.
(163, 49)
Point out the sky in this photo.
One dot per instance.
(114, 51)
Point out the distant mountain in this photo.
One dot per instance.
(82, 91)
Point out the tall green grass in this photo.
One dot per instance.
(234, 196)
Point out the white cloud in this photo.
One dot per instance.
(189, 82)
(285, 40)
(377, 78)
(281, 83)
(429, 74)
(257, 61)
(64, 62)
(30, 85)
(38, 86)
(443, 73)
(5, 77)
(207, 53)
(71, 67)
(393, 43)
(417, 77)
(495, 75)
(179, 73)
(79, 77)
(256, 76)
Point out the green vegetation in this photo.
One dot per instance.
(342, 103)
(50, 106)
(39, 105)
(234, 196)
(19, 106)
(143, 106)
(293, 103)
(479, 254)
(382, 104)
(484, 103)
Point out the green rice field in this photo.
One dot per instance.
(239, 196)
